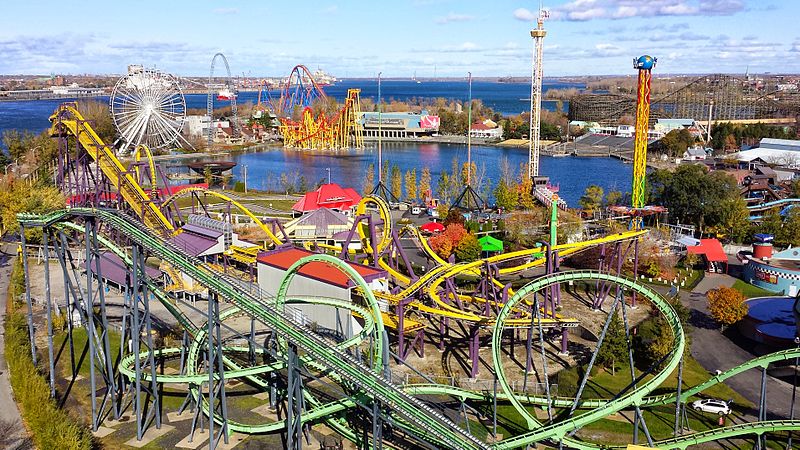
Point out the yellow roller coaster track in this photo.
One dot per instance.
(225, 198)
(68, 120)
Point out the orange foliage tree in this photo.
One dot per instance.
(726, 305)
(445, 242)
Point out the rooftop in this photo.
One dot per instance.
(283, 258)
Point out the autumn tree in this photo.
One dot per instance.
(397, 182)
(412, 193)
(369, 180)
(727, 305)
(468, 249)
(425, 183)
(525, 188)
(446, 242)
(18, 196)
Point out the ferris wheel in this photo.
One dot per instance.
(148, 108)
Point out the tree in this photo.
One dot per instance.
(412, 193)
(505, 196)
(525, 188)
(397, 182)
(17, 142)
(733, 220)
(726, 305)
(17, 197)
(468, 249)
(385, 172)
(615, 345)
(444, 188)
(614, 198)
(676, 142)
(425, 183)
(369, 180)
(692, 194)
(592, 198)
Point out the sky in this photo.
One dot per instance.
(398, 38)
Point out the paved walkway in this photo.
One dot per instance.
(721, 351)
(10, 421)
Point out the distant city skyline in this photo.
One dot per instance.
(445, 38)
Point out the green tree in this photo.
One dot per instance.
(614, 198)
(385, 172)
(692, 194)
(676, 142)
(505, 196)
(444, 188)
(790, 232)
(369, 180)
(397, 182)
(615, 345)
(17, 142)
(733, 218)
(592, 198)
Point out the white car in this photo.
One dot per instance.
(416, 210)
(711, 405)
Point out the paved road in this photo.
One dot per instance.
(721, 351)
(9, 414)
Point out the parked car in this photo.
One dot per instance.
(712, 405)
(416, 210)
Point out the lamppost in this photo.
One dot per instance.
(329, 174)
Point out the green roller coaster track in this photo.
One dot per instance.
(416, 415)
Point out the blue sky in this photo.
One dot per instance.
(361, 38)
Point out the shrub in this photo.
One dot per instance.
(50, 427)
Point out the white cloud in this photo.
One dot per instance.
(226, 11)
(525, 15)
(583, 10)
(453, 17)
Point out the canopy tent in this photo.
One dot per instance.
(432, 227)
(490, 244)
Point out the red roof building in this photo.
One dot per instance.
(283, 258)
(330, 196)
(712, 252)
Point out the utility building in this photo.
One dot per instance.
(321, 280)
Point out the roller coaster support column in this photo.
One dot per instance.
(217, 402)
(294, 399)
(98, 357)
(24, 255)
(141, 333)
(762, 408)
(50, 358)
(60, 246)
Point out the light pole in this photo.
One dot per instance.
(380, 123)
(329, 174)
(244, 170)
(469, 131)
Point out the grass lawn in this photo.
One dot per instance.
(750, 291)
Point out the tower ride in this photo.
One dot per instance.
(644, 64)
